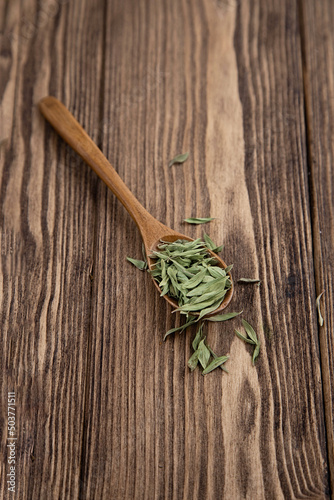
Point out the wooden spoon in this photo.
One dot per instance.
(151, 229)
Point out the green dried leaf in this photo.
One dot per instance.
(256, 352)
(199, 220)
(317, 303)
(179, 159)
(203, 354)
(143, 252)
(217, 272)
(250, 331)
(189, 307)
(165, 290)
(216, 285)
(208, 299)
(245, 339)
(222, 367)
(173, 277)
(228, 268)
(224, 317)
(215, 364)
(218, 249)
(196, 280)
(251, 340)
(249, 280)
(209, 310)
(140, 264)
(193, 361)
(211, 245)
(198, 337)
(179, 328)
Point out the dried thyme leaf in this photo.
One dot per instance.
(140, 264)
(179, 328)
(217, 272)
(199, 220)
(256, 352)
(249, 280)
(196, 280)
(193, 361)
(201, 304)
(250, 331)
(211, 245)
(224, 317)
(198, 337)
(251, 340)
(222, 367)
(245, 339)
(203, 354)
(215, 364)
(213, 286)
(228, 268)
(179, 159)
(317, 303)
(210, 309)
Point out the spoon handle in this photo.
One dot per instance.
(72, 132)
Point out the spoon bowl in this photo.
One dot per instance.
(151, 230)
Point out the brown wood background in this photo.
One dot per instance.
(105, 409)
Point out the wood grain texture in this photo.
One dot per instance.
(226, 85)
(105, 408)
(270, 85)
(47, 216)
(318, 37)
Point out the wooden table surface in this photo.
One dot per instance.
(104, 408)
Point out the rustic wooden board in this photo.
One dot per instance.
(318, 37)
(224, 83)
(47, 216)
(105, 408)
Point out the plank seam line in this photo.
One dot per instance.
(313, 203)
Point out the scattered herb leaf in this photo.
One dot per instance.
(256, 352)
(215, 364)
(203, 354)
(251, 339)
(222, 367)
(249, 280)
(250, 331)
(198, 337)
(199, 220)
(179, 159)
(179, 328)
(228, 268)
(193, 361)
(224, 317)
(140, 264)
(242, 337)
(317, 302)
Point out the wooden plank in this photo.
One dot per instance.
(318, 36)
(223, 81)
(47, 226)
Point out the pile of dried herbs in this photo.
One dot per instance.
(187, 271)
